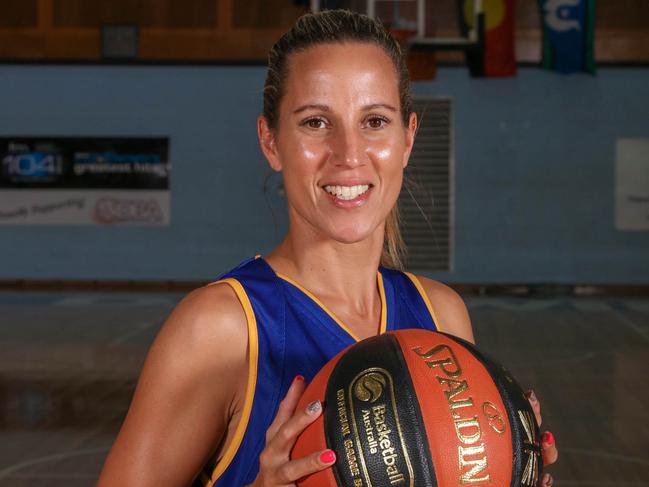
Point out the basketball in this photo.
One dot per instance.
(420, 408)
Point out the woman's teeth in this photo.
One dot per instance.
(347, 192)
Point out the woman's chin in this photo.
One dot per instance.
(351, 235)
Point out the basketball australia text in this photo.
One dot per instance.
(373, 433)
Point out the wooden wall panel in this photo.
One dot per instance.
(227, 46)
(146, 13)
(21, 45)
(268, 14)
(623, 14)
(528, 15)
(18, 13)
(67, 46)
(231, 30)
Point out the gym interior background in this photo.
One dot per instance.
(533, 231)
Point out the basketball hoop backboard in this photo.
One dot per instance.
(407, 20)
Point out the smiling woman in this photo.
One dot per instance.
(216, 400)
(342, 151)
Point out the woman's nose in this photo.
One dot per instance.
(349, 148)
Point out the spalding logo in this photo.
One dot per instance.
(369, 387)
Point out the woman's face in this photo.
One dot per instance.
(340, 140)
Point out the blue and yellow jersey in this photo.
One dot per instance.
(291, 332)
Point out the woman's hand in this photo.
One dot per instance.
(548, 447)
(275, 466)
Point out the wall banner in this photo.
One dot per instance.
(84, 181)
(568, 35)
(495, 57)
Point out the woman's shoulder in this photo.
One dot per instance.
(207, 316)
(191, 341)
(450, 310)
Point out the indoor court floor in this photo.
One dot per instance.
(69, 363)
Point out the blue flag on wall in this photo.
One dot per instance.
(568, 35)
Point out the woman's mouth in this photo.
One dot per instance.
(348, 196)
(347, 193)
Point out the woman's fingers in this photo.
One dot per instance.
(275, 465)
(549, 448)
(301, 467)
(550, 455)
(546, 480)
(286, 407)
(536, 405)
(289, 431)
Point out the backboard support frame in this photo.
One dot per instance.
(474, 38)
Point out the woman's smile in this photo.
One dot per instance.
(348, 196)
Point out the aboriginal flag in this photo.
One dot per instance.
(494, 56)
(568, 35)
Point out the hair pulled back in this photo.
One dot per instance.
(336, 27)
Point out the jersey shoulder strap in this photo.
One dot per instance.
(411, 307)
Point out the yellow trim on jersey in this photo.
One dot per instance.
(319, 303)
(384, 311)
(253, 343)
(424, 296)
(333, 316)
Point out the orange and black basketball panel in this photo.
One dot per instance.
(421, 409)
(526, 440)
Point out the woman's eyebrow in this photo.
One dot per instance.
(374, 106)
(312, 106)
(326, 108)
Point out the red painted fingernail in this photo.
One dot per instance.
(298, 378)
(328, 456)
(547, 438)
(531, 396)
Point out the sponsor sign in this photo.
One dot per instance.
(84, 181)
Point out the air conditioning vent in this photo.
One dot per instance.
(426, 201)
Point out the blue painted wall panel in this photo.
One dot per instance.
(534, 172)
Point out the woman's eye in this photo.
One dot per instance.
(315, 123)
(377, 122)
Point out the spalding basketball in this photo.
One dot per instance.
(420, 409)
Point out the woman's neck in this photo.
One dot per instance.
(332, 270)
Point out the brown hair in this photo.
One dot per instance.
(339, 26)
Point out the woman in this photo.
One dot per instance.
(337, 123)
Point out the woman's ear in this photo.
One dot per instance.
(411, 131)
(267, 143)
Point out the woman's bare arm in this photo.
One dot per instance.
(189, 389)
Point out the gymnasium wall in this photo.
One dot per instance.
(534, 172)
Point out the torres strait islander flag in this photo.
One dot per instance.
(568, 35)
(495, 57)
